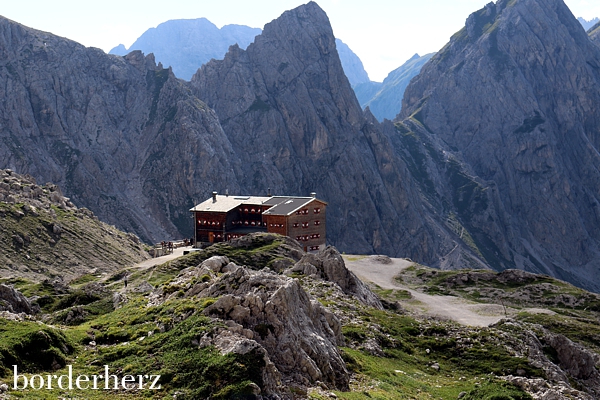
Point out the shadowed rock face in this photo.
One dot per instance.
(13, 301)
(126, 139)
(518, 102)
(293, 120)
(99, 125)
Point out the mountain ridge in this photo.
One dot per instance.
(385, 99)
(186, 44)
(525, 129)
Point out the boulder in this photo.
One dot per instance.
(329, 265)
(14, 301)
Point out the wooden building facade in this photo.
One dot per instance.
(222, 218)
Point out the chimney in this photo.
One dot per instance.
(214, 197)
(269, 192)
(313, 195)
(226, 192)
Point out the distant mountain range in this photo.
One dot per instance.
(353, 66)
(493, 161)
(187, 44)
(385, 99)
(588, 24)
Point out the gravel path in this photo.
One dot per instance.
(178, 252)
(371, 269)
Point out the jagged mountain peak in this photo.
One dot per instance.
(186, 44)
(292, 117)
(516, 94)
(300, 43)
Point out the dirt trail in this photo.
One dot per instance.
(370, 269)
(178, 252)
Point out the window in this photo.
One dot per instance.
(296, 224)
(317, 223)
(317, 210)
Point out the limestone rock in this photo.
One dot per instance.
(353, 66)
(186, 44)
(288, 89)
(509, 111)
(13, 301)
(44, 234)
(576, 360)
(265, 310)
(299, 335)
(329, 265)
(97, 126)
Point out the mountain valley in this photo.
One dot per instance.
(483, 190)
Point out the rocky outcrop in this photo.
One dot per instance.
(510, 113)
(13, 301)
(270, 312)
(563, 362)
(329, 265)
(574, 359)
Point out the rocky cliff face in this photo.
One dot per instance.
(492, 163)
(125, 138)
(516, 106)
(99, 125)
(293, 120)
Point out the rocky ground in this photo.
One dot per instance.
(45, 236)
(259, 318)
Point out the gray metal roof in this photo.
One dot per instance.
(289, 205)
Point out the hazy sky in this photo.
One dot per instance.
(383, 33)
